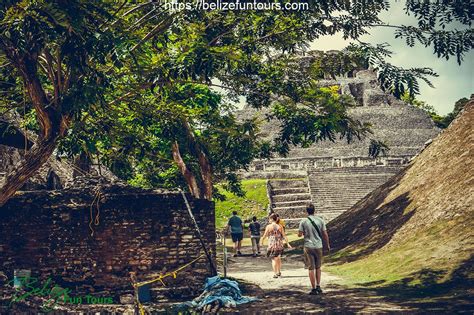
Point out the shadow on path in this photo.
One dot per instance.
(289, 294)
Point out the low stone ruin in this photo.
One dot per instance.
(88, 232)
(90, 242)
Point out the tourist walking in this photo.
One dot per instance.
(276, 241)
(254, 228)
(314, 231)
(236, 232)
(281, 222)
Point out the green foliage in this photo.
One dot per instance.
(48, 32)
(433, 20)
(254, 203)
(133, 79)
(458, 107)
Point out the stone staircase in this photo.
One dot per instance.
(289, 198)
(335, 190)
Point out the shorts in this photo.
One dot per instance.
(255, 242)
(313, 257)
(237, 237)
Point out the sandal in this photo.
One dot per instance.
(275, 276)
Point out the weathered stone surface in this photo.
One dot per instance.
(289, 198)
(137, 231)
(404, 128)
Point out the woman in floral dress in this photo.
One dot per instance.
(276, 241)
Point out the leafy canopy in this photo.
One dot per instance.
(134, 80)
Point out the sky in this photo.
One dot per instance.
(454, 81)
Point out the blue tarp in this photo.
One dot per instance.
(226, 291)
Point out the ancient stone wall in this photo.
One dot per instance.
(403, 127)
(298, 167)
(147, 232)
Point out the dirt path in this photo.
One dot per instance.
(289, 294)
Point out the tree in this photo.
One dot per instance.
(52, 50)
(458, 107)
(116, 78)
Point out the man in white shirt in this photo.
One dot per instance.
(314, 231)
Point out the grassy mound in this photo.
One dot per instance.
(415, 231)
(254, 203)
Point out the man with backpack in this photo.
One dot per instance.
(314, 231)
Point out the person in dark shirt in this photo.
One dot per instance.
(254, 229)
(236, 232)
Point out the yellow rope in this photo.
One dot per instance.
(169, 274)
(160, 278)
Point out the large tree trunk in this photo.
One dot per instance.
(187, 174)
(53, 126)
(33, 160)
(204, 164)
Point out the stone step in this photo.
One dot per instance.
(294, 190)
(335, 171)
(342, 191)
(293, 223)
(336, 203)
(357, 180)
(289, 208)
(354, 169)
(284, 204)
(291, 183)
(328, 203)
(338, 198)
(291, 197)
(339, 176)
(347, 185)
(342, 179)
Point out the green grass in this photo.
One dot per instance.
(255, 202)
(426, 250)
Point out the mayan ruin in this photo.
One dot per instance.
(404, 128)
